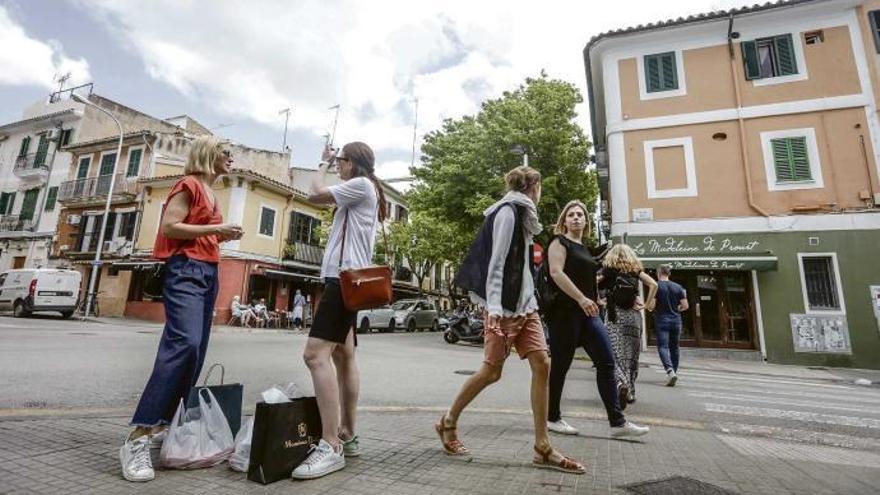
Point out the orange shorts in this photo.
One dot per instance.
(524, 332)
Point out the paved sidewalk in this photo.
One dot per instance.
(401, 455)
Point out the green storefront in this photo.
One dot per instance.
(807, 298)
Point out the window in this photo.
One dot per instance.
(267, 221)
(790, 159)
(7, 201)
(25, 145)
(66, 134)
(769, 57)
(814, 37)
(108, 162)
(874, 18)
(820, 282)
(29, 204)
(51, 197)
(127, 222)
(83, 170)
(304, 229)
(660, 72)
(438, 271)
(134, 162)
(402, 214)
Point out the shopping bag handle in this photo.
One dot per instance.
(211, 369)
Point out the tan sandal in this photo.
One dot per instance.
(453, 447)
(566, 464)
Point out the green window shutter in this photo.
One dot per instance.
(11, 204)
(785, 57)
(800, 162)
(51, 197)
(28, 205)
(791, 160)
(134, 163)
(83, 171)
(670, 73)
(25, 145)
(267, 221)
(4, 201)
(107, 163)
(42, 151)
(652, 73)
(750, 60)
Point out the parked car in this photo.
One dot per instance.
(25, 291)
(409, 314)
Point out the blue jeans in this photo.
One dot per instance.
(570, 328)
(189, 292)
(668, 332)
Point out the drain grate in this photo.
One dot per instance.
(676, 485)
(464, 372)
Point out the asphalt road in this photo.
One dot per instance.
(53, 366)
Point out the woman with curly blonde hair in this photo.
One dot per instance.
(621, 273)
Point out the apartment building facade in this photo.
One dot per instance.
(742, 148)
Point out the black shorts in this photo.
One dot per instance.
(332, 321)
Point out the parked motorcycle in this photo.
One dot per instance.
(464, 327)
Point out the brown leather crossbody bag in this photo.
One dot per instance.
(368, 287)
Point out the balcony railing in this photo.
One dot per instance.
(94, 187)
(14, 223)
(304, 253)
(31, 165)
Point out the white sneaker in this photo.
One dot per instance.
(629, 430)
(561, 427)
(671, 378)
(322, 461)
(134, 455)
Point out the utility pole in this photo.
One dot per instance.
(415, 128)
(332, 134)
(286, 113)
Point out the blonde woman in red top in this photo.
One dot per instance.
(191, 229)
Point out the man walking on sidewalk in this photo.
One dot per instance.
(671, 301)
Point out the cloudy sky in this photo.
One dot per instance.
(233, 64)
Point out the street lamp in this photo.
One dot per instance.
(519, 149)
(96, 264)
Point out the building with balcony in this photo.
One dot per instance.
(742, 148)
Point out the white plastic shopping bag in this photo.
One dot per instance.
(241, 457)
(197, 438)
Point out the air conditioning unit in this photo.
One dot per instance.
(73, 219)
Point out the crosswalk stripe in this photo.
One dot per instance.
(793, 415)
(739, 377)
(800, 435)
(783, 450)
(789, 402)
(844, 397)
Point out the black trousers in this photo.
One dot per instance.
(570, 328)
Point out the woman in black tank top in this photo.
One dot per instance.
(574, 322)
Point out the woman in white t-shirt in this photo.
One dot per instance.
(329, 354)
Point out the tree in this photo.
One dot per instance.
(422, 243)
(464, 162)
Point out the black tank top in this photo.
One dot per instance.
(581, 268)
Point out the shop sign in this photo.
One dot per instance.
(820, 333)
(744, 263)
(695, 245)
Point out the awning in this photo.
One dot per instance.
(728, 263)
(283, 275)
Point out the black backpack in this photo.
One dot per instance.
(545, 289)
(624, 290)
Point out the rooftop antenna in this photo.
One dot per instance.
(61, 79)
(286, 112)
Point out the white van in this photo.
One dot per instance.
(39, 289)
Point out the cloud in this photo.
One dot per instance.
(28, 61)
(249, 59)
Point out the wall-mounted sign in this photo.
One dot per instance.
(694, 245)
(820, 333)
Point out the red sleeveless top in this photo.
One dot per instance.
(206, 248)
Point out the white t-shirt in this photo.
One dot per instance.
(357, 198)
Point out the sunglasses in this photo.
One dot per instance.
(342, 159)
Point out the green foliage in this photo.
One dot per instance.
(464, 162)
(422, 242)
